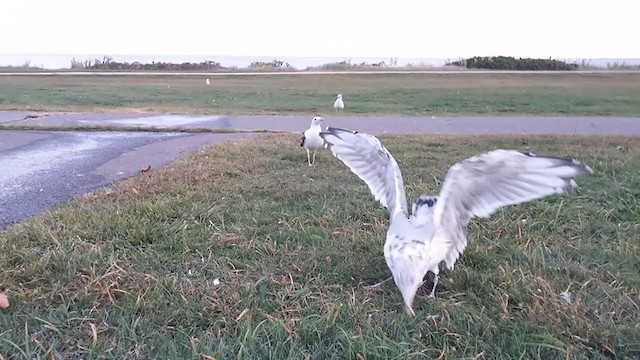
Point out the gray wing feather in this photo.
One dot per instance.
(372, 163)
(480, 185)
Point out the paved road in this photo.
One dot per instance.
(39, 169)
(457, 125)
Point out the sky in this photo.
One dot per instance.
(324, 28)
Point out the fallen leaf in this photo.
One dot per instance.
(94, 334)
(4, 301)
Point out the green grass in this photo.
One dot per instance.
(124, 273)
(412, 94)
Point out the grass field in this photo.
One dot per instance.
(129, 272)
(413, 94)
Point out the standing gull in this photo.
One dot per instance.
(311, 139)
(338, 104)
(436, 230)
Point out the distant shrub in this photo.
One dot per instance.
(26, 66)
(107, 63)
(341, 65)
(348, 65)
(511, 63)
(270, 65)
(617, 65)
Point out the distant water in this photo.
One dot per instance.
(63, 61)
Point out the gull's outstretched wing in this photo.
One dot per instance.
(480, 185)
(372, 163)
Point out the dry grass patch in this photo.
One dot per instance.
(132, 274)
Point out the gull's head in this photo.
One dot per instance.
(422, 208)
(317, 121)
(339, 96)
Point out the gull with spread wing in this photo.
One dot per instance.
(436, 230)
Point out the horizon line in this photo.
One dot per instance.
(315, 56)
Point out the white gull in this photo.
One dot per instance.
(311, 140)
(338, 104)
(436, 230)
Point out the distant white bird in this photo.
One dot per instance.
(436, 229)
(311, 139)
(338, 104)
(208, 82)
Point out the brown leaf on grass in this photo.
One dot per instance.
(4, 301)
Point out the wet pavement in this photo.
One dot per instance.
(39, 169)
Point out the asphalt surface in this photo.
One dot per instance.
(454, 125)
(39, 169)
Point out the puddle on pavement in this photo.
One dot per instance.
(166, 120)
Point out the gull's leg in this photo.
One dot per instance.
(408, 305)
(379, 285)
(308, 157)
(409, 310)
(432, 295)
(313, 157)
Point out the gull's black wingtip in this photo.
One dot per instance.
(336, 130)
(564, 161)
